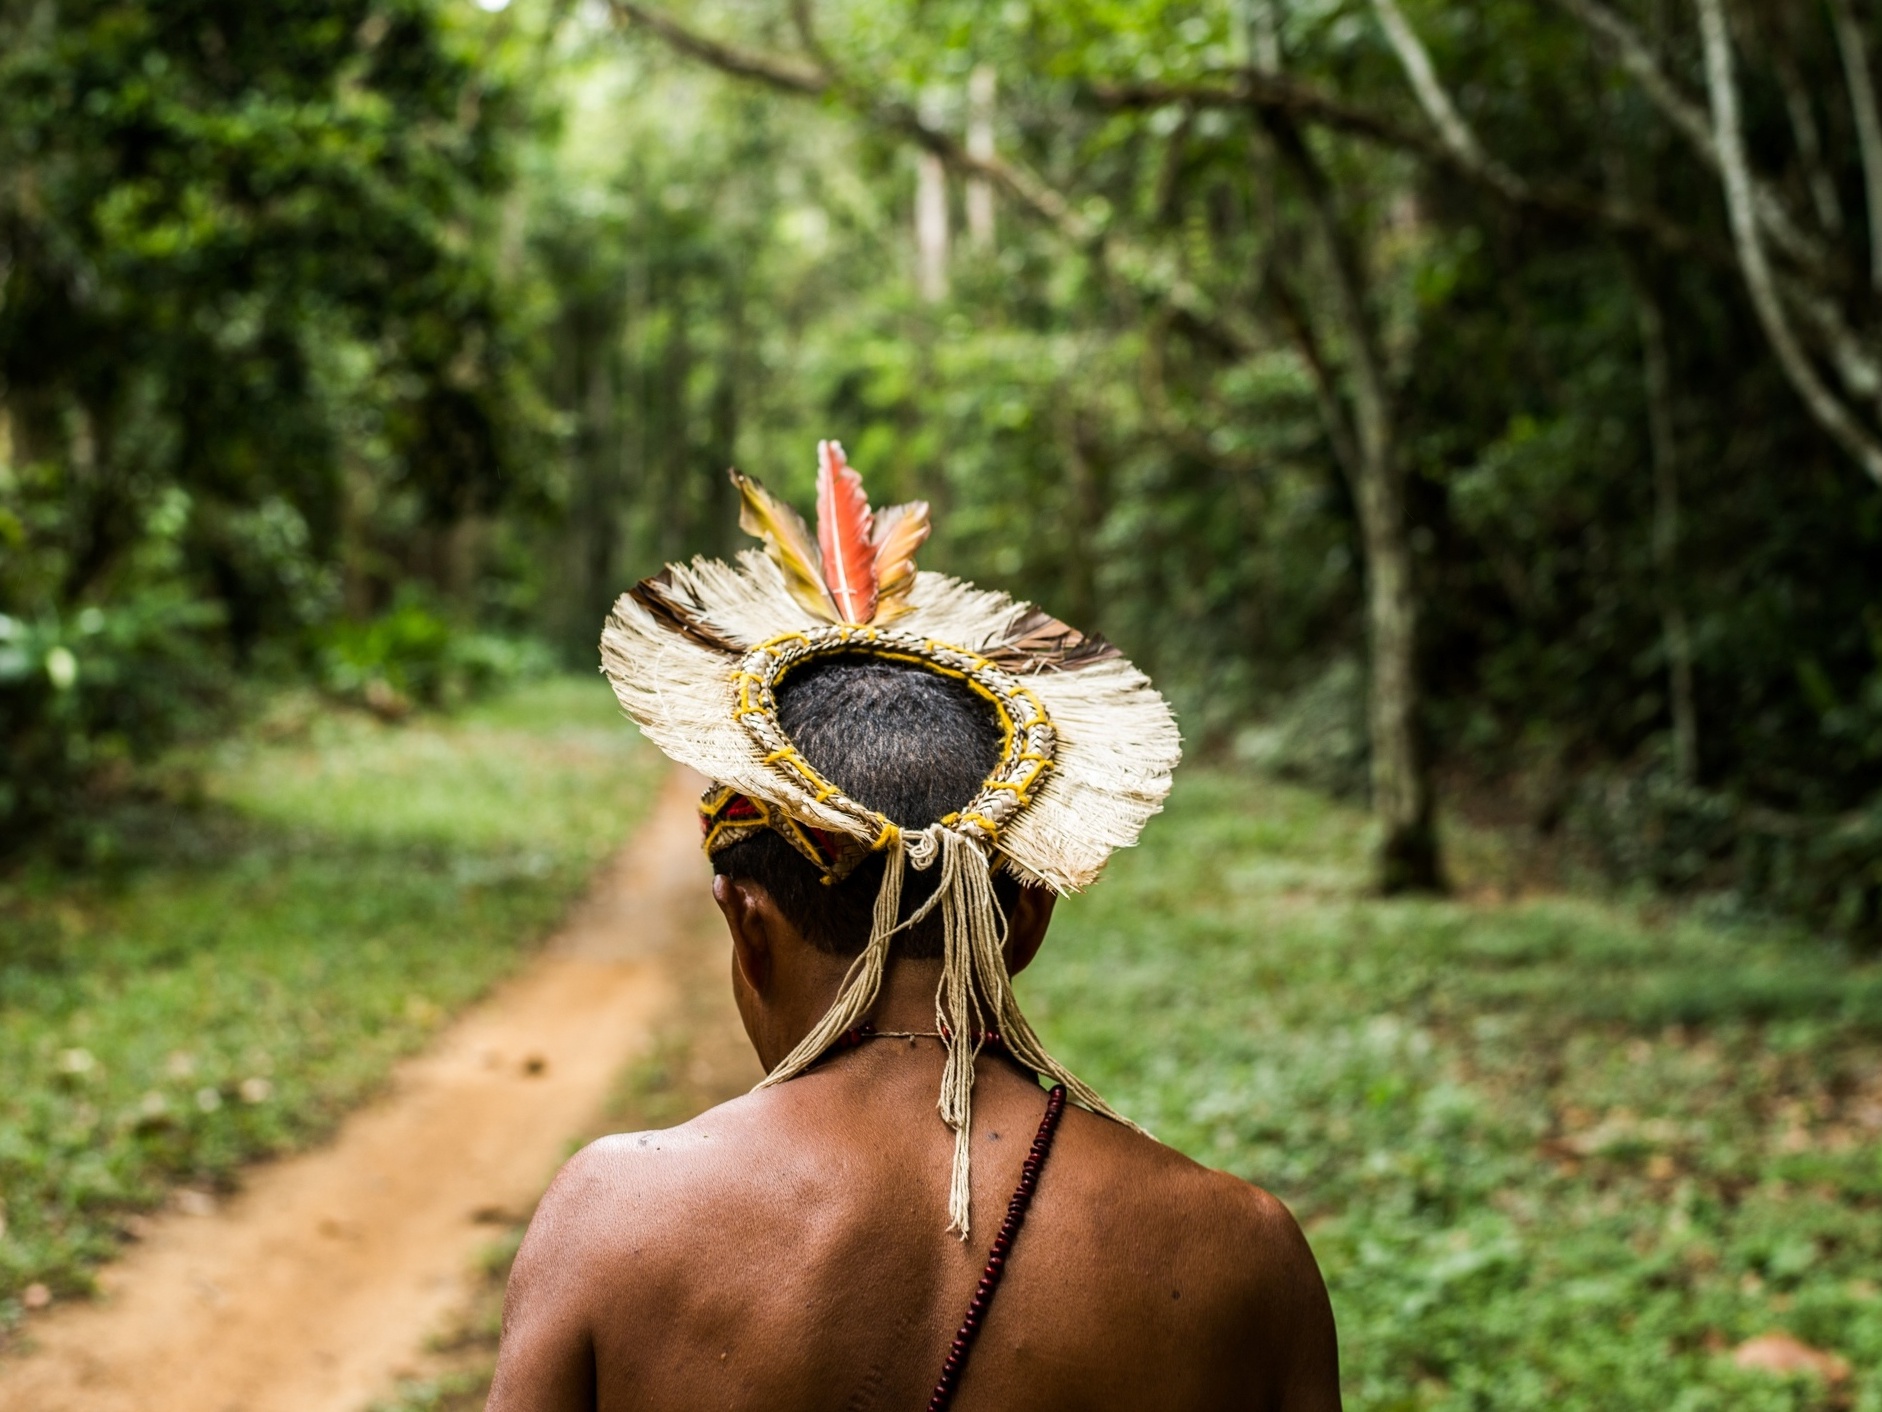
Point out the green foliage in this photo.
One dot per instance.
(413, 654)
(97, 691)
(254, 344)
(1550, 1153)
(1318, 737)
(231, 988)
(732, 278)
(1110, 452)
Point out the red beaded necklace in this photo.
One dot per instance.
(963, 1343)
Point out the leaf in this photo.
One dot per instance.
(900, 530)
(787, 539)
(844, 527)
(1784, 1354)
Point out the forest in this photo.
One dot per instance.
(1468, 412)
(1444, 401)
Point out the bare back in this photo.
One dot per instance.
(786, 1251)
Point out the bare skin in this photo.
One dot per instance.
(786, 1251)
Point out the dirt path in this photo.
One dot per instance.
(317, 1286)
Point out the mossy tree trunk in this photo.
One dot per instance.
(1357, 404)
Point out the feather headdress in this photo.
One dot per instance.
(697, 652)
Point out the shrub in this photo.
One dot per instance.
(1825, 870)
(414, 655)
(104, 686)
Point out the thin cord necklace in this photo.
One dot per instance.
(863, 1033)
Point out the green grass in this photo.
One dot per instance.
(1551, 1153)
(335, 891)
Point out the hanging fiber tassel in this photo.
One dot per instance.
(862, 983)
(974, 994)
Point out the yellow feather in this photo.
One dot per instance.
(899, 532)
(787, 539)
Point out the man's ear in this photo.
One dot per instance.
(751, 917)
(1026, 923)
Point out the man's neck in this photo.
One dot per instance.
(905, 1002)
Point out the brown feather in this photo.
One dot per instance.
(787, 539)
(1039, 642)
(678, 612)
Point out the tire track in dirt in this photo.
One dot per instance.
(315, 1288)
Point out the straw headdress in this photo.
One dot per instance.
(696, 655)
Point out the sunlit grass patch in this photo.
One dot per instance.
(1552, 1153)
(332, 900)
(534, 774)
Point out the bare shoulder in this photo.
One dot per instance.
(1257, 1232)
(624, 1203)
(1236, 1255)
(1256, 1238)
(629, 1186)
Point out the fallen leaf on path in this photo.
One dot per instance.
(1780, 1353)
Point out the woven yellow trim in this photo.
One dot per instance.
(1026, 734)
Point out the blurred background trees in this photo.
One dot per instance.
(259, 366)
(1476, 400)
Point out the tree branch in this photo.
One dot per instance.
(1269, 92)
(1372, 393)
(1690, 120)
(1147, 271)
(1754, 261)
(787, 74)
(804, 21)
(1675, 628)
(1855, 52)
(1637, 59)
(805, 80)
(1856, 365)
(1333, 413)
(1814, 287)
(1273, 95)
(1809, 139)
(1458, 137)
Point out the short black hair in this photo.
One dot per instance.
(909, 743)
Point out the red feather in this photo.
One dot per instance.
(844, 527)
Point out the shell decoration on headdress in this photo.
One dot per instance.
(696, 654)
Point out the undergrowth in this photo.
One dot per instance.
(1552, 1153)
(313, 902)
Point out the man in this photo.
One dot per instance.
(784, 1251)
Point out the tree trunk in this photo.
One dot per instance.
(981, 86)
(597, 463)
(1675, 632)
(1402, 798)
(931, 218)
